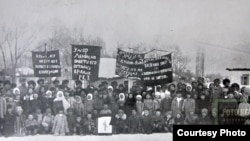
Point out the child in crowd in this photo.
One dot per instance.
(38, 116)
(9, 122)
(188, 104)
(69, 98)
(105, 111)
(17, 100)
(71, 118)
(60, 103)
(202, 103)
(79, 126)
(36, 103)
(168, 122)
(134, 123)
(19, 123)
(26, 101)
(205, 118)
(47, 122)
(47, 101)
(158, 121)
(11, 102)
(149, 104)
(60, 125)
(95, 114)
(157, 101)
(165, 104)
(119, 122)
(139, 105)
(31, 125)
(178, 119)
(78, 106)
(98, 102)
(191, 118)
(89, 125)
(146, 122)
(129, 104)
(89, 103)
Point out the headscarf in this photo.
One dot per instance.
(16, 89)
(121, 97)
(110, 87)
(66, 104)
(89, 96)
(190, 86)
(49, 92)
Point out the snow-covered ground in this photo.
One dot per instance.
(137, 137)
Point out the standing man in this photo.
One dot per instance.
(23, 87)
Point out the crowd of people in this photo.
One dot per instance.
(42, 108)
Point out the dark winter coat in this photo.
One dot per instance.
(165, 105)
(9, 122)
(134, 124)
(36, 104)
(146, 124)
(71, 123)
(46, 103)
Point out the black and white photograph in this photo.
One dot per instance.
(126, 70)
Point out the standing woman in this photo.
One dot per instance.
(26, 101)
(41, 92)
(60, 103)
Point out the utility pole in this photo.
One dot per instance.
(200, 62)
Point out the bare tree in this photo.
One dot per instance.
(2, 42)
(17, 41)
(179, 61)
(62, 38)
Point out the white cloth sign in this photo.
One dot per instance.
(104, 126)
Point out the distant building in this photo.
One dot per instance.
(240, 75)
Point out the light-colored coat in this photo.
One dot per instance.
(60, 125)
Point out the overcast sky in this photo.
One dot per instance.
(221, 24)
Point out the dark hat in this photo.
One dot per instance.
(31, 82)
(225, 81)
(40, 80)
(56, 81)
(65, 81)
(217, 80)
(200, 84)
(105, 82)
(78, 82)
(77, 93)
(121, 85)
(7, 82)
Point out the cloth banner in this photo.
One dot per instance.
(85, 62)
(157, 71)
(46, 63)
(129, 64)
(103, 125)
